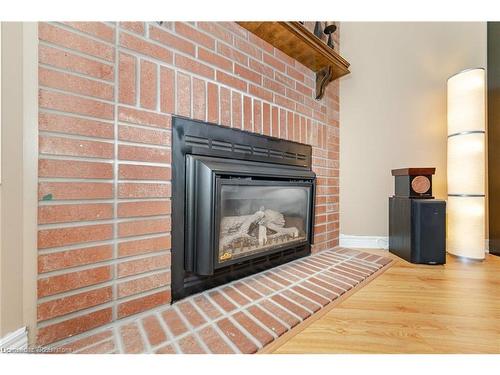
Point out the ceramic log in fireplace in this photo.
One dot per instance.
(241, 203)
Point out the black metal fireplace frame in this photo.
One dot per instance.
(201, 139)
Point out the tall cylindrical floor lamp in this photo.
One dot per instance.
(466, 163)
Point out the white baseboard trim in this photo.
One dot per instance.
(15, 340)
(377, 242)
(364, 242)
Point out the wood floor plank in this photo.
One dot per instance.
(410, 308)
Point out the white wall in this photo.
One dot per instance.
(393, 109)
(18, 193)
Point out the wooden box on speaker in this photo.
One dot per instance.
(413, 182)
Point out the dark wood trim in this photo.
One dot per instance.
(413, 171)
(493, 73)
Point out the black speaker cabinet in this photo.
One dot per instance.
(413, 182)
(417, 229)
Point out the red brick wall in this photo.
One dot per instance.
(107, 93)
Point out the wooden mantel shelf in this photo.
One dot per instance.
(295, 40)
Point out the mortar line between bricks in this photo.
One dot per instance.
(330, 258)
(137, 108)
(260, 324)
(308, 279)
(191, 329)
(311, 267)
(272, 302)
(146, 126)
(96, 343)
(158, 88)
(349, 266)
(358, 264)
(301, 274)
(365, 268)
(95, 287)
(320, 263)
(100, 264)
(242, 329)
(241, 309)
(335, 282)
(78, 95)
(224, 315)
(269, 299)
(76, 224)
(333, 257)
(138, 86)
(331, 275)
(53, 250)
(343, 264)
(166, 330)
(219, 105)
(289, 288)
(59, 47)
(352, 264)
(109, 141)
(191, 91)
(170, 336)
(114, 267)
(340, 256)
(324, 288)
(119, 342)
(75, 73)
(307, 298)
(283, 289)
(79, 116)
(115, 341)
(74, 180)
(90, 159)
(144, 336)
(347, 277)
(254, 302)
(73, 201)
(70, 29)
(264, 297)
(313, 275)
(175, 109)
(214, 326)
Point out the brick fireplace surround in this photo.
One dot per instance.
(107, 94)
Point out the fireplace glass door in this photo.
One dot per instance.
(256, 217)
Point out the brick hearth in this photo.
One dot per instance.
(239, 317)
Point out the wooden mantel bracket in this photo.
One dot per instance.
(295, 40)
(323, 78)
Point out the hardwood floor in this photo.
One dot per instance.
(413, 309)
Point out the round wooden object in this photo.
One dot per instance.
(420, 184)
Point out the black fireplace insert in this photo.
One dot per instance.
(241, 203)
